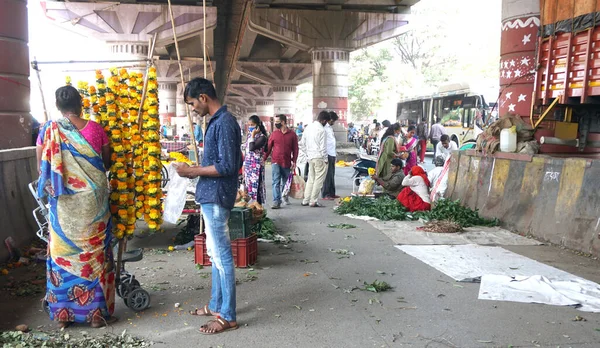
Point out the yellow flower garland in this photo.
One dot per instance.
(135, 172)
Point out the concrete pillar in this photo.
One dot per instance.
(179, 102)
(167, 95)
(284, 102)
(520, 25)
(14, 76)
(265, 111)
(330, 82)
(129, 50)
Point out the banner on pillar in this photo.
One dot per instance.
(338, 105)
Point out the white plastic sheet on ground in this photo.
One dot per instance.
(405, 232)
(176, 195)
(364, 218)
(573, 291)
(507, 276)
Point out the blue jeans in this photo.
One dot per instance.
(218, 247)
(280, 176)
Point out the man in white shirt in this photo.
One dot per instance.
(313, 144)
(329, 184)
(445, 147)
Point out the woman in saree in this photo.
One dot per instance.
(73, 155)
(415, 195)
(254, 164)
(410, 142)
(387, 151)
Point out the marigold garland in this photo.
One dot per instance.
(152, 165)
(135, 172)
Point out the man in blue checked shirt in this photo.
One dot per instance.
(216, 192)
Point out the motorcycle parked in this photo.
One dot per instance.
(361, 168)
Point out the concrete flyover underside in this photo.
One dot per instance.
(270, 43)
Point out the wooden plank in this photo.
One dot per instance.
(564, 10)
(549, 11)
(587, 65)
(584, 7)
(547, 72)
(568, 64)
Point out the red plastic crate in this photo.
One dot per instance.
(244, 250)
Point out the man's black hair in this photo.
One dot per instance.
(282, 118)
(445, 137)
(199, 86)
(324, 116)
(333, 116)
(386, 123)
(68, 99)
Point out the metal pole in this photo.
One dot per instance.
(35, 67)
(204, 36)
(187, 109)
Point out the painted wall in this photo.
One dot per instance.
(17, 169)
(553, 199)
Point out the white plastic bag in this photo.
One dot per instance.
(176, 195)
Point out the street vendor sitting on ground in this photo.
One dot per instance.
(392, 183)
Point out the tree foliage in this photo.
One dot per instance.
(368, 81)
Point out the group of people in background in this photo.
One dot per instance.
(314, 145)
(400, 155)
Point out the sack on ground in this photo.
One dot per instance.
(366, 187)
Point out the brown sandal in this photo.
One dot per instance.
(219, 325)
(103, 322)
(204, 312)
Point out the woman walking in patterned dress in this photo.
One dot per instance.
(254, 165)
(73, 155)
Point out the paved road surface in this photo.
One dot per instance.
(302, 295)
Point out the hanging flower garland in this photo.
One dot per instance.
(151, 154)
(119, 195)
(102, 109)
(82, 87)
(93, 93)
(136, 85)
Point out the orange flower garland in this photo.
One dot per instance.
(151, 156)
(82, 87)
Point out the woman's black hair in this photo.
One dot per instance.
(411, 128)
(256, 120)
(68, 99)
(391, 130)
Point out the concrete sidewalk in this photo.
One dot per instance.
(304, 295)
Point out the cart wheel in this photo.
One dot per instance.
(46, 306)
(126, 286)
(138, 299)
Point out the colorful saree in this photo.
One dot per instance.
(386, 155)
(411, 161)
(80, 283)
(254, 172)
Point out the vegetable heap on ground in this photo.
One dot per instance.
(385, 208)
